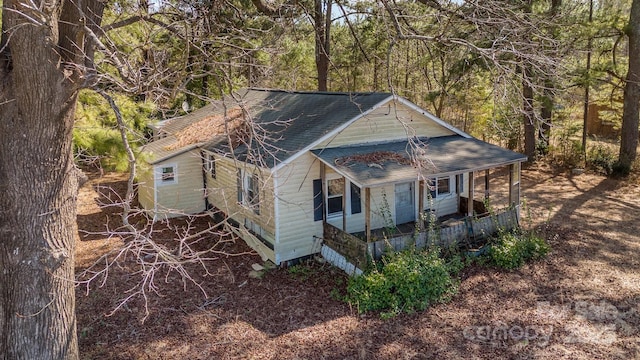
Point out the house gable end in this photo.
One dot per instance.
(394, 120)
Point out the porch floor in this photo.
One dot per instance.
(409, 228)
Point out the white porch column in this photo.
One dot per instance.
(344, 205)
(420, 204)
(367, 213)
(323, 181)
(471, 194)
(514, 184)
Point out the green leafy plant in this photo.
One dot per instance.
(568, 151)
(511, 250)
(407, 281)
(301, 272)
(96, 138)
(602, 159)
(385, 212)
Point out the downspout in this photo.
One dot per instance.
(276, 211)
(207, 206)
(155, 195)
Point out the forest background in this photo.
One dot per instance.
(79, 77)
(522, 74)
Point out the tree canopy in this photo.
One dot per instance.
(510, 71)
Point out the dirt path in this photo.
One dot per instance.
(582, 302)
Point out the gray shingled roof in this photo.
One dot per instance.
(446, 155)
(291, 121)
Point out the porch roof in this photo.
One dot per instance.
(372, 165)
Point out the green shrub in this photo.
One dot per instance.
(602, 159)
(512, 249)
(406, 281)
(620, 169)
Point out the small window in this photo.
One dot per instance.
(249, 190)
(356, 201)
(439, 187)
(168, 174)
(253, 193)
(335, 192)
(444, 186)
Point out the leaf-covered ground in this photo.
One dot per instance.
(582, 302)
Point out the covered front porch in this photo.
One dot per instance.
(467, 232)
(416, 194)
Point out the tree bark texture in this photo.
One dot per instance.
(322, 27)
(546, 114)
(629, 131)
(548, 99)
(528, 117)
(528, 114)
(41, 69)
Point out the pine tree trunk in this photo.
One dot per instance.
(41, 69)
(546, 113)
(528, 114)
(528, 117)
(322, 25)
(629, 131)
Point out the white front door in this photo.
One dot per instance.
(405, 208)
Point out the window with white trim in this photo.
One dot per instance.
(167, 174)
(440, 187)
(335, 194)
(335, 198)
(249, 190)
(444, 186)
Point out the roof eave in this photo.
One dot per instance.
(172, 155)
(414, 178)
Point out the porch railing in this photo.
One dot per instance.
(464, 231)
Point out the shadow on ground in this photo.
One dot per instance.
(581, 302)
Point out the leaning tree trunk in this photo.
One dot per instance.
(41, 67)
(629, 131)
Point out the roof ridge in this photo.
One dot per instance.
(315, 92)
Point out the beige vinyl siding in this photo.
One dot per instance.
(382, 208)
(382, 212)
(388, 122)
(299, 234)
(186, 195)
(145, 186)
(222, 193)
(444, 204)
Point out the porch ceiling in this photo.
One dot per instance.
(374, 165)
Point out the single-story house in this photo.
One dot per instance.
(297, 170)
